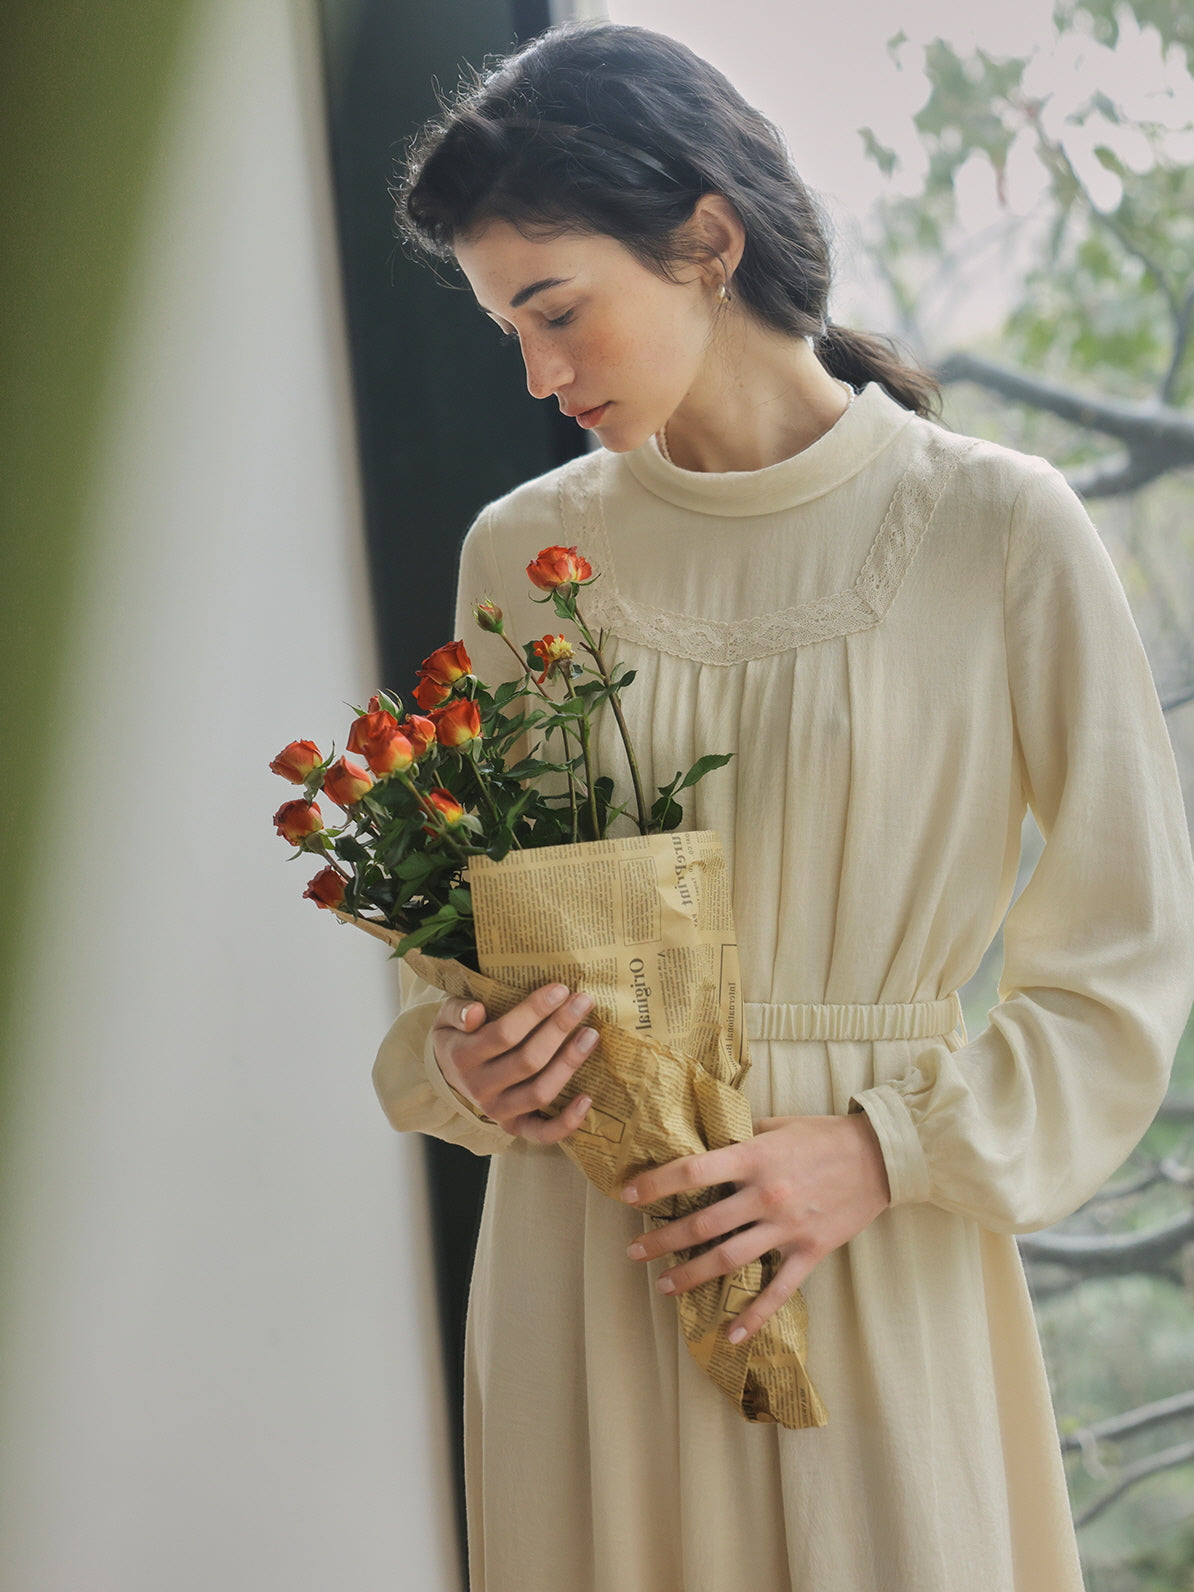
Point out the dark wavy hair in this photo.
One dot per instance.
(601, 128)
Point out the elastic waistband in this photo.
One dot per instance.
(890, 1020)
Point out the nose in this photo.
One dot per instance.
(547, 370)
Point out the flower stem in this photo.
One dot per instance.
(593, 648)
(486, 796)
(586, 753)
(572, 808)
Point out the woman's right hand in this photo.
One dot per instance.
(514, 1066)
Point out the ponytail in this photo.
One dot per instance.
(860, 357)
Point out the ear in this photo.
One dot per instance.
(716, 225)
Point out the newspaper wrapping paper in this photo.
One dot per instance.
(643, 924)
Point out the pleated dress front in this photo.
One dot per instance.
(904, 637)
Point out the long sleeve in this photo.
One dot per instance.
(413, 1092)
(1019, 1126)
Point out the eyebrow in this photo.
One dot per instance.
(523, 294)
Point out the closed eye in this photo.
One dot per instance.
(563, 320)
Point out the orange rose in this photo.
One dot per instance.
(294, 821)
(326, 889)
(420, 732)
(380, 742)
(345, 782)
(296, 761)
(457, 725)
(449, 809)
(430, 693)
(558, 566)
(447, 664)
(551, 652)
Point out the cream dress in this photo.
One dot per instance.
(903, 636)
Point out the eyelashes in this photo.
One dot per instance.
(510, 339)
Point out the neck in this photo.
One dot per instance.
(763, 397)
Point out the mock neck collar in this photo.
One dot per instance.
(870, 423)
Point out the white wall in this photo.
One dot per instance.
(222, 1366)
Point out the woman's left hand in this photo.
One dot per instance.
(802, 1186)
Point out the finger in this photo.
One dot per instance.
(550, 1130)
(699, 1227)
(778, 1291)
(544, 1012)
(739, 1249)
(467, 1015)
(540, 1048)
(678, 1177)
(536, 1093)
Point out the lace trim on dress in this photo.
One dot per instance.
(888, 561)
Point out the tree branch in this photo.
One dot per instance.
(1167, 706)
(1110, 1254)
(1183, 318)
(1167, 1459)
(1138, 1420)
(1126, 474)
(1148, 425)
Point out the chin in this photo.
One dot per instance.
(621, 438)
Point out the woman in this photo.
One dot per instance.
(903, 636)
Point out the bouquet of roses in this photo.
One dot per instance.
(475, 842)
(453, 779)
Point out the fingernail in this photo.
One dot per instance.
(586, 1039)
(736, 1334)
(579, 1005)
(555, 994)
(637, 1252)
(666, 1285)
(582, 1106)
(630, 1194)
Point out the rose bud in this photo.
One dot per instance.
(420, 732)
(558, 566)
(345, 782)
(296, 761)
(447, 664)
(551, 652)
(449, 809)
(294, 821)
(458, 725)
(380, 742)
(489, 616)
(430, 693)
(379, 702)
(326, 889)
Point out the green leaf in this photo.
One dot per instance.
(426, 931)
(350, 850)
(666, 813)
(884, 157)
(702, 766)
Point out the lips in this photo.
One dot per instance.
(587, 418)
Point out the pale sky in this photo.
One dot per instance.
(823, 71)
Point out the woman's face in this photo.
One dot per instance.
(619, 347)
